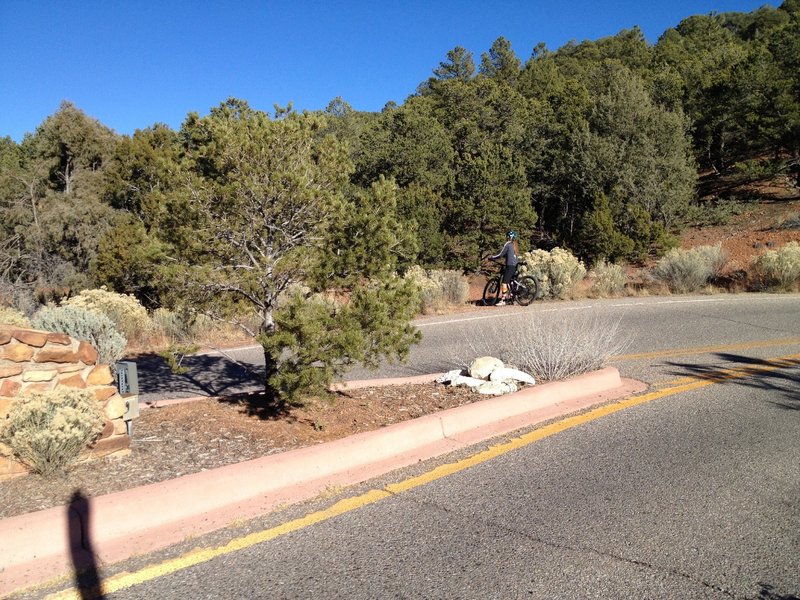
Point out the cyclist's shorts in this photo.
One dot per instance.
(508, 274)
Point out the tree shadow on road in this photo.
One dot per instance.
(765, 376)
(205, 376)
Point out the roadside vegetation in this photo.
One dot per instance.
(321, 234)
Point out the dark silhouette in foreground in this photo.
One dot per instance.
(84, 563)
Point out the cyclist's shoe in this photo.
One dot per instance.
(501, 303)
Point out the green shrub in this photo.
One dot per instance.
(126, 312)
(558, 271)
(438, 288)
(11, 316)
(779, 269)
(690, 270)
(713, 212)
(83, 324)
(609, 279)
(47, 431)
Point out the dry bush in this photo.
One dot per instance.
(126, 312)
(790, 221)
(562, 349)
(778, 270)
(11, 316)
(558, 271)
(438, 288)
(83, 324)
(609, 279)
(552, 350)
(690, 270)
(48, 430)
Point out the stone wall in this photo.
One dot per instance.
(37, 361)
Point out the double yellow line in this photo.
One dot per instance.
(125, 580)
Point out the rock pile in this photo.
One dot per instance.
(488, 375)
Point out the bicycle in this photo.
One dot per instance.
(522, 290)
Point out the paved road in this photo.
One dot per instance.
(694, 493)
(648, 324)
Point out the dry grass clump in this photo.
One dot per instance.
(48, 430)
(690, 270)
(558, 350)
(790, 221)
(552, 350)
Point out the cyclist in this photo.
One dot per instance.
(509, 252)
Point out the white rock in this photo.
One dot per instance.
(482, 367)
(467, 381)
(508, 374)
(449, 376)
(496, 388)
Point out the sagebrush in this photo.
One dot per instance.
(778, 269)
(83, 324)
(48, 430)
(609, 279)
(125, 311)
(690, 270)
(11, 316)
(438, 288)
(558, 271)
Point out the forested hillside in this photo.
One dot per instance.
(595, 147)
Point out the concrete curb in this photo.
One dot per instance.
(45, 544)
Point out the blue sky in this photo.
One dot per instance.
(133, 63)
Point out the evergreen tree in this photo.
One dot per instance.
(274, 235)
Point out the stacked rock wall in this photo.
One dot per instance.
(38, 361)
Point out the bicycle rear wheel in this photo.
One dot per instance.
(527, 290)
(491, 293)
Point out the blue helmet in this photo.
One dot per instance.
(512, 235)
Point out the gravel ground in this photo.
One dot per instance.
(196, 436)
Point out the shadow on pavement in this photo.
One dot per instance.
(206, 376)
(84, 561)
(784, 382)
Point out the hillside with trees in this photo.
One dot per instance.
(595, 147)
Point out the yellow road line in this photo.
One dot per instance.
(125, 580)
(707, 349)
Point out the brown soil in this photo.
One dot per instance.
(196, 436)
(749, 234)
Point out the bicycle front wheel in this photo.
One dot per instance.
(527, 290)
(491, 293)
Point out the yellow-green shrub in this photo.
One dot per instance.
(125, 311)
(11, 316)
(779, 269)
(438, 288)
(558, 271)
(47, 431)
(609, 279)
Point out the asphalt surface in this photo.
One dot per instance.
(646, 325)
(695, 495)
